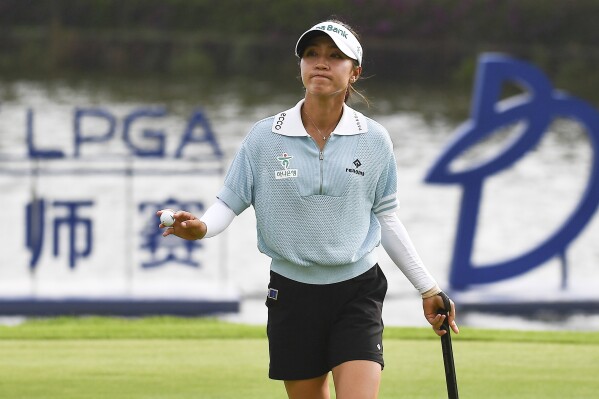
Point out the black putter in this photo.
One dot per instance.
(450, 376)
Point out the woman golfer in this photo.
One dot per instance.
(322, 179)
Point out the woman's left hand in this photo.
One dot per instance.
(431, 305)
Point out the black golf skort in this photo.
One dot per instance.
(313, 328)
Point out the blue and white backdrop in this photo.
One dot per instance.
(502, 206)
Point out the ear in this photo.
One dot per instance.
(355, 74)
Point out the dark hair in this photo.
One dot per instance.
(351, 90)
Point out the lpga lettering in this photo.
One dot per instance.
(147, 142)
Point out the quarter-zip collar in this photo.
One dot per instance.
(289, 123)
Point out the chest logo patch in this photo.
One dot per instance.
(286, 173)
(355, 170)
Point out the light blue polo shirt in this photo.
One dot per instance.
(315, 210)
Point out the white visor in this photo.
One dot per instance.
(343, 38)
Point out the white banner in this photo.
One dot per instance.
(79, 189)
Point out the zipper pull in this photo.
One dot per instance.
(321, 156)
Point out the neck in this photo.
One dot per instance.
(323, 113)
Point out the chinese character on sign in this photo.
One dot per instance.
(79, 246)
(171, 249)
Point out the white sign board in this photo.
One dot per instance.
(79, 189)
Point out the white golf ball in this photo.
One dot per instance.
(167, 218)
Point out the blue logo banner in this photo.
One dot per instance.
(536, 108)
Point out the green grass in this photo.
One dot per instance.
(155, 358)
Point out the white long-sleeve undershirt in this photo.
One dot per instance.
(217, 218)
(398, 245)
(394, 238)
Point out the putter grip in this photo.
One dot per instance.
(445, 310)
(446, 346)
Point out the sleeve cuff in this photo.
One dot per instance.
(232, 200)
(431, 292)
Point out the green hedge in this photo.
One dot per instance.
(411, 40)
(461, 21)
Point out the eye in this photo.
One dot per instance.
(309, 52)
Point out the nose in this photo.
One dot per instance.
(321, 64)
(321, 61)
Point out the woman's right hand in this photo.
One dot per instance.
(186, 226)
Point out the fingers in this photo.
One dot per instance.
(179, 216)
(437, 324)
(183, 216)
(185, 226)
(431, 307)
(176, 227)
(168, 231)
(454, 327)
(451, 320)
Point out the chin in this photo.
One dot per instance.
(320, 91)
